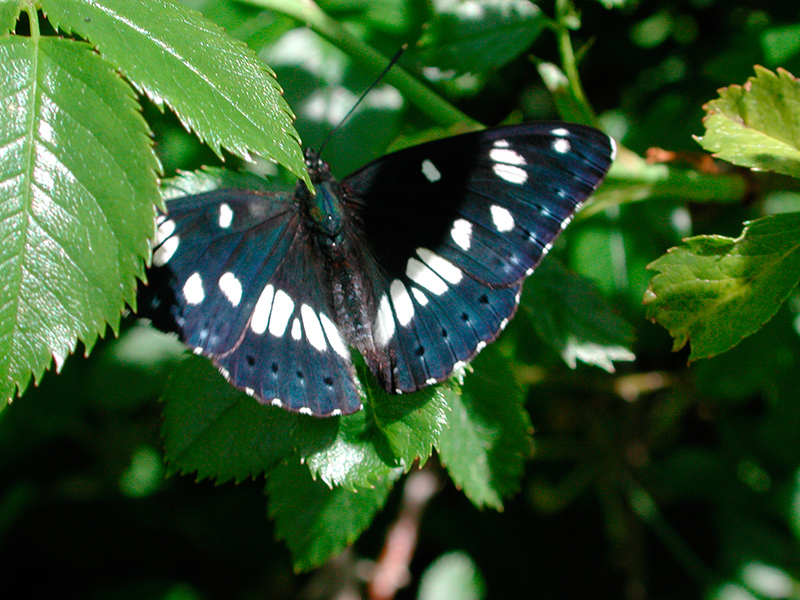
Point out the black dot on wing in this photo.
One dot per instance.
(300, 375)
(274, 367)
(484, 299)
(420, 351)
(464, 317)
(251, 360)
(444, 333)
(328, 381)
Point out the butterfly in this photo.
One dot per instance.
(416, 261)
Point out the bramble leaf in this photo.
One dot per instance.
(715, 290)
(756, 125)
(76, 205)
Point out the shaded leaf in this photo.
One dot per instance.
(568, 313)
(221, 433)
(316, 521)
(77, 204)
(716, 290)
(488, 434)
(756, 125)
(460, 33)
(216, 85)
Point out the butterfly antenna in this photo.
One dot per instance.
(350, 112)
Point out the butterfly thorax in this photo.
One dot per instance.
(338, 247)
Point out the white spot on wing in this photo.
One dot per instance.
(282, 309)
(430, 171)
(297, 331)
(443, 267)
(334, 337)
(165, 251)
(421, 274)
(501, 144)
(462, 233)
(313, 328)
(507, 156)
(384, 322)
(420, 296)
(225, 215)
(231, 287)
(403, 307)
(260, 318)
(193, 290)
(502, 218)
(510, 173)
(165, 242)
(561, 146)
(560, 132)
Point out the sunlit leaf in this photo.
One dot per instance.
(76, 204)
(715, 290)
(215, 84)
(9, 10)
(756, 125)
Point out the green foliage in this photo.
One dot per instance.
(318, 521)
(684, 478)
(717, 290)
(459, 33)
(77, 207)
(756, 125)
(81, 189)
(488, 434)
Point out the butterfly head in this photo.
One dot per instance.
(324, 208)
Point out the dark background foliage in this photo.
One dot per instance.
(660, 481)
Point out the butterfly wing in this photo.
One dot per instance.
(455, 225)
(240, 284)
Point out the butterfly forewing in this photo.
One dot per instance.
(490, 202)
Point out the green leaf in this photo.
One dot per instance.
(9, 11)
(568, 313)
(410, 423)
(488, 434)
(219, 432)
(460, 33)
(76, 206)
(216, 85)
(316, 521)
(757, 125)
(357, 458)
(716, 290)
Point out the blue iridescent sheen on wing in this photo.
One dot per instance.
(416, 261)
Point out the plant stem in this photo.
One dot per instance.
(425, 99)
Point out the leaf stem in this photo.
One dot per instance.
(424, 98)
(561, 27)
(33, 17)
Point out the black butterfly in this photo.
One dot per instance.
(416, 260)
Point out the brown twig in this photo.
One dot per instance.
(392, 569)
